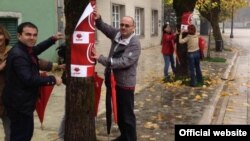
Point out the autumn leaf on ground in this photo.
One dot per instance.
(229, 109)
(152, 139)
(204, 95)
(197, 97)
(150, 125)
(224, 94)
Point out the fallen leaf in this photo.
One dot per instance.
(197, 97)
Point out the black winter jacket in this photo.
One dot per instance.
(23, 78)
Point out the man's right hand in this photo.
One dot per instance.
(96, 14)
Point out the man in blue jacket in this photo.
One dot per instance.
(23, 80)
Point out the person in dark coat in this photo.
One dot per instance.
(23, 80)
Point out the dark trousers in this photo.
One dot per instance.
(21, 126)
(126, 116)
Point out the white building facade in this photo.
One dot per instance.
(146, 13)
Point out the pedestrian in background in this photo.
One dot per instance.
(123, 59)
(23, 80)
(4, 49)
(192, 40)
(168, 47)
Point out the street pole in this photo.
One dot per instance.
(232, 22)
(223, 27)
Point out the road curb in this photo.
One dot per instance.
(207, 116)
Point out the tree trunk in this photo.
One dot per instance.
(213, 17)
(79, 114)
(180, 7)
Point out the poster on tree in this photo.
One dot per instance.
(186, 20)
(83, 41)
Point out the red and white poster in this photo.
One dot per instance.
(83, 41)
(186, 20)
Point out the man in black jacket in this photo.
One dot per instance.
(23, 80)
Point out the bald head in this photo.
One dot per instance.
(129, 18)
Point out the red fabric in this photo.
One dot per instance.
(98, 86)
(113, 96)
(202, 46)
(45, 92)
(168, 44)
(186, 18)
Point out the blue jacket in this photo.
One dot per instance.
(23, 79)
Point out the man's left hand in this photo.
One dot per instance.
(58, 36)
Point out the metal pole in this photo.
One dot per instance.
(232, 22)
(223, 27)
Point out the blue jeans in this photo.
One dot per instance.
(194, 68)
(168, 59)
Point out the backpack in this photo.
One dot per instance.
(202, 46)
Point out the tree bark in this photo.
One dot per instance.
(213, 17)
(79, 114)
(180, 7)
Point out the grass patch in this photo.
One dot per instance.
(216, 59)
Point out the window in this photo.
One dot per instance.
(154, 23)
(117, 12)
(139, 21)
(11, 25)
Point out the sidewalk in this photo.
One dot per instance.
(233, 105)
(158, 105)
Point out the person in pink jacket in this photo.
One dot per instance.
(168, 42)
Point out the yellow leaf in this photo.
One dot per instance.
(152, 139)
(197, 97)
(224, 94)
(229, 109)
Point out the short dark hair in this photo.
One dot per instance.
(6, 34)
(164, 26)
(191, 29)
(25, 24)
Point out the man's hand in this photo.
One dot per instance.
(62, 66)
(58, 36)
(94, 54)
(96, 14)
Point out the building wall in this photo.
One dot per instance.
(43, 13)
(40, 12)
(105, 7)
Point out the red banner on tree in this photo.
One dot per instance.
(83, 41)
(186, 20)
